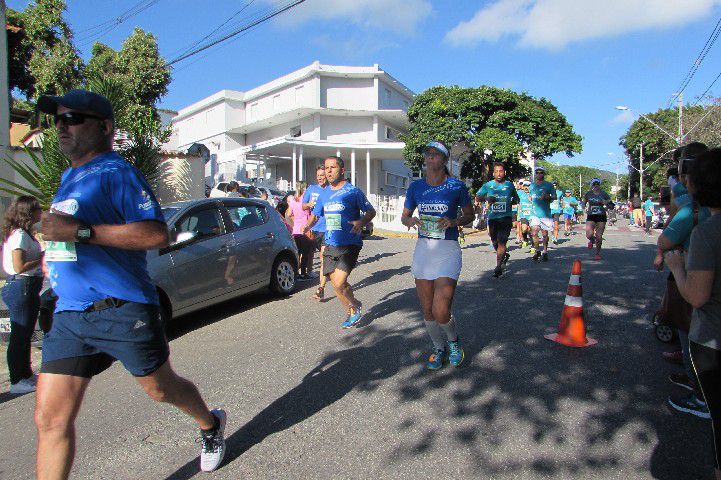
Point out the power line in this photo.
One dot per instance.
(699, 59)
(97, 31)
(264, 18)
(217, 29)
(709, 87)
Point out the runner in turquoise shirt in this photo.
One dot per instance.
(556, 211)
(542, 194)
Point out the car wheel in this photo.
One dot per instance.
(282, 277)
(665, 333)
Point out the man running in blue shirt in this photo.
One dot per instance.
(310, 197)
(501, 195)
(103, 219)
(542, 193)
(341, 204)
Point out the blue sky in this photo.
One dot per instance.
(586, 56)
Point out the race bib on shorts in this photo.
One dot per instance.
(60, 252)
(596, 210)
(429, 227)
(333, 221)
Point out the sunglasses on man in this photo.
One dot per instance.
(73, 118)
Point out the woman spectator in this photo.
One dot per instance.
(300, 220)
(22, 256)
(699, 282)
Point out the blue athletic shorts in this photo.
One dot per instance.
(568, 216)
(131, 333)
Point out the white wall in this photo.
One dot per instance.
(346, 129)
(397, 98)
(347, 93)
(296, 95)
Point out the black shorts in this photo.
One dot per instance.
(499, 229)
(318, 238)
(556, 216)
(343, 257)
(524, 221)
(596, 218)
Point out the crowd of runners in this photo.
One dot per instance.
(104, 217)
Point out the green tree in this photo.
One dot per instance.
(568, 177)
(485, 119)
(42, 57)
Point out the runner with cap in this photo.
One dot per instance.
(501, 195)
(542, 193)
(103, 219)
(568, 204)
(525, 208)
(595, 202)
(437, 257)
(341, 203)
(556, 211)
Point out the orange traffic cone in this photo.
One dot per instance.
(572, 330)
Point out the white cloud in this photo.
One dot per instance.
(553, 24)
(402, 17)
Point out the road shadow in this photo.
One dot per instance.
(357, 367)
(521, 405)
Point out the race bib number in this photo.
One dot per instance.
(333, 222)
(498, 207)
(429, 227)
(596, 210)
(60, 252)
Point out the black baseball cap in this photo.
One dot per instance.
(81, 100)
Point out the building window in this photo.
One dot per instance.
(387, 92)
(253, 111)
(276, 103)
(391, 133)
(295, 132)
(298, 95)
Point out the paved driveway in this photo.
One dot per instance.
(308, 400)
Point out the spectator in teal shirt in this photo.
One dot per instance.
(648, 210)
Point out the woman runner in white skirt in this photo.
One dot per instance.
(437, 257)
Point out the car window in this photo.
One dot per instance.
(204, 223)
(246, 216)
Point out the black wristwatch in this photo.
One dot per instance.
(84, 233)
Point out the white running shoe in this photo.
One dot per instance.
(26, 385)
(213, 449)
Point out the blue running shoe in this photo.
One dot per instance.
(354, 316)
(455, 355)
(435, 361)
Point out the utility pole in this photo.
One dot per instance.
(617, 182)
(680, 118)
(580, 186)
(640, 173)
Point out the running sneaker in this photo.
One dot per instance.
(524, 245)
(319, 293)
(554, 240)
(681, 380)
(689, 404)
(354, 316)
(536, 256)
(565, 234)
(455, 353)
(498, 271)
(590, 242)
(26, 385)
(506, 258)
(544, 257)
(436, 359)
(213, 448)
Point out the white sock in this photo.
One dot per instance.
(450, 329)
(434, 331)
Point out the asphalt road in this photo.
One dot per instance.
(308, 400)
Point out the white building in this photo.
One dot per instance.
(277, 133)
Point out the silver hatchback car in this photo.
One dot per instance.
(222, 248)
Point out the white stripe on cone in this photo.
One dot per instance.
(575, 280)
(574, 301)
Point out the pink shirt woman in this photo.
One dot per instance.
(300, 216)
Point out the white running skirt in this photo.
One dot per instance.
(434, 259)
(545, 223)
